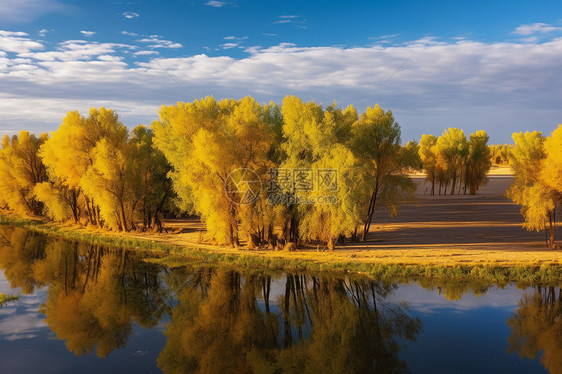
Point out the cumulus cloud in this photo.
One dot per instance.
(17, 42)
(88, 34)
(429, 84)
(130, 15)
(535, 28)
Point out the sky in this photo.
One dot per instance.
(474, 65)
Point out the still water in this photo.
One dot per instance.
(88, 309)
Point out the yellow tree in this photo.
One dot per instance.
(66, 156)
(551, 174)
(149, 181)
(69, 153)
(536, 198)
(429, 159)
(314, 146)
(452, 150)
(477, 163)
(21, 169)
(205, 141)
(376, 143)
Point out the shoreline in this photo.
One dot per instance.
(342, 261)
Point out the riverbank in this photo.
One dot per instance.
(457, 236)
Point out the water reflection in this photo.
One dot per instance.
(94, 294)
(222, 320)
(537, 327)
(315, 325)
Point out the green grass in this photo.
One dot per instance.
(176, 255)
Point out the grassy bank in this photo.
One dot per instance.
(340, 261)
(7, 298)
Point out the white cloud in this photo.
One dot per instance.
(268, 34)
(229, 45)
(429, 84)
(43, 32)
(88, 34)
(130, 15)
(146, 53)
(216, 4)
(17, 42)
(284, 19)
(535, 28)
(24, 11)
(156, 41)
(129, 33)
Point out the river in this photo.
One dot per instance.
(84, 308)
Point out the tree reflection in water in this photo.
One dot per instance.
(536, 327)
(226, 322)
(221, 320)
(94, 294)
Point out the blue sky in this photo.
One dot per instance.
(435, 64)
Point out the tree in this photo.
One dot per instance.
(150, 183)
(477, 164)
(205, 141)
(429, 159)
(376, 143)
(537, 199)
(314, 146)
(69, 154)
(452, 150)
(21, 169)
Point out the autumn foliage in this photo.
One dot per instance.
(95, 171)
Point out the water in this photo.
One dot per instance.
(88, 309)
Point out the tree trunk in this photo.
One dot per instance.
(552, 238)
(123, 217)
(371, 210)
(433, 185)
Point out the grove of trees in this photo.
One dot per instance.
(455, 162)
(94, 171)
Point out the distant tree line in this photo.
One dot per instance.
(94, 171)
(454, 162)
(499, 154)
